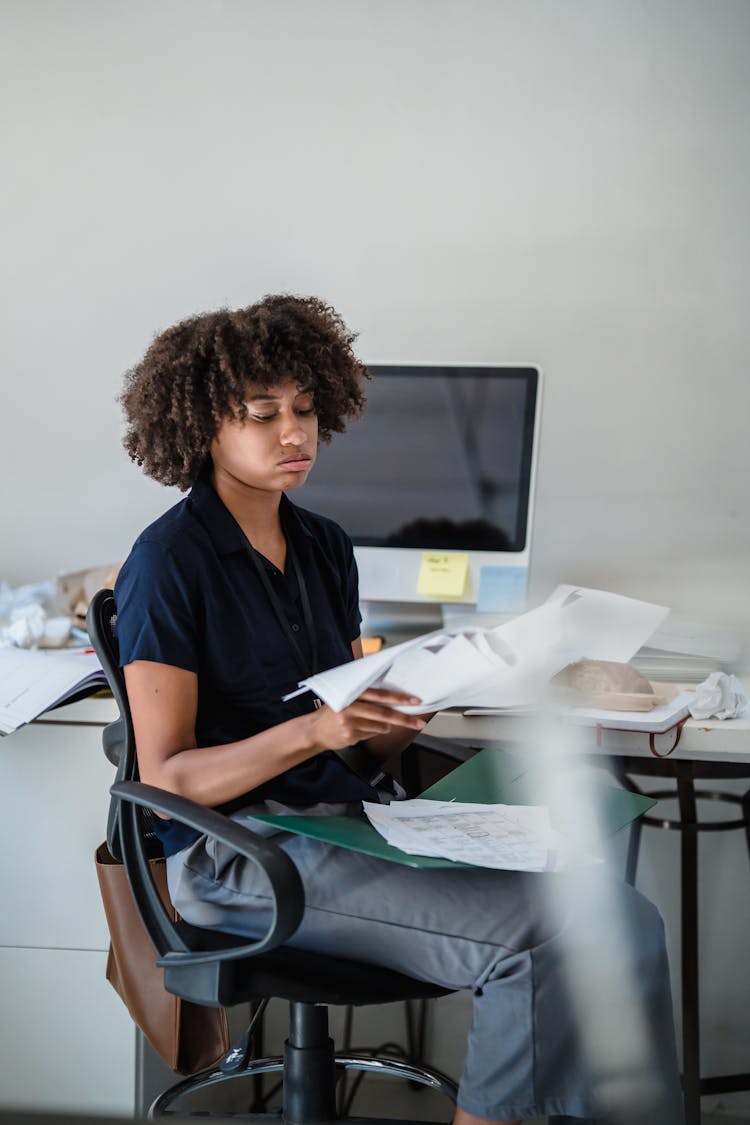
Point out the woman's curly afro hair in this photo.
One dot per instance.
(196, 374)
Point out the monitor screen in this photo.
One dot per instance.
(442, 459)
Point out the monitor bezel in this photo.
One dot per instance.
(390, 574)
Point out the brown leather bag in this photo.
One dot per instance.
(187, 1036)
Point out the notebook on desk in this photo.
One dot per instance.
(656, 721)
(32, 682)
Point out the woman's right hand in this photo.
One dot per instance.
(372, 713)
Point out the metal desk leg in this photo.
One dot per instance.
(691, 1070)
(746, 816)
(634, 845)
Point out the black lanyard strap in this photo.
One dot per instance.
(307, 613)
(302, 664)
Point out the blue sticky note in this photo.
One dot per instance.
(502, 589)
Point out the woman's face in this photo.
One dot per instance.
(273, 446)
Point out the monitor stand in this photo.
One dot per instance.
(402, 621)
(399, 621)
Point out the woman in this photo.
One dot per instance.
(224, 604)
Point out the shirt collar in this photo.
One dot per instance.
(226, 534)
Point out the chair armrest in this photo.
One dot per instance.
(286, 890)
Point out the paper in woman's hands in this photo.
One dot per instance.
(504, 837)
(446, 668)
(436, 668)
(502, 667)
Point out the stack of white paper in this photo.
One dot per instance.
(687, 651)
(504, 837)
(31, 682)
(503, 667)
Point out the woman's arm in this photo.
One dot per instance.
(163, 702)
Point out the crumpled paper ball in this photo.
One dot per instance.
(26, 625)
(720, 696)
(30, 627)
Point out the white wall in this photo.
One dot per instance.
(563, 183)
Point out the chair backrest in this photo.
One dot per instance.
(119, 737)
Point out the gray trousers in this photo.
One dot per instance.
(572, 1013)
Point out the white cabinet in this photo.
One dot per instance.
(68, 1041)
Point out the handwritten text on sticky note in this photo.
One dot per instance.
(443, 575)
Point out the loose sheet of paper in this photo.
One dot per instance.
(601, 626)
(534, 640)
(504, 837)
(340, 686)
(437, 671)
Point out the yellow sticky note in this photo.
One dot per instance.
(443, 575)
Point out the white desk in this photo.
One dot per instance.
(705, 740)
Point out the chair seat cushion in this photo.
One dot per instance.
(291, 974)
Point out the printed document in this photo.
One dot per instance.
(504, 837)
(31, 682)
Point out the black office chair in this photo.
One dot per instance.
(217, 969)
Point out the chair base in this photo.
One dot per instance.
(420, 1075)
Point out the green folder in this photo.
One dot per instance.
(491, 776)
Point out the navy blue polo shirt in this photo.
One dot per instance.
(189, 595)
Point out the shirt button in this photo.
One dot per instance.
(295, 627)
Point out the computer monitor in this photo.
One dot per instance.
(443, 460)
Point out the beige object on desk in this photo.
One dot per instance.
(75, 590)
(609, 685)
